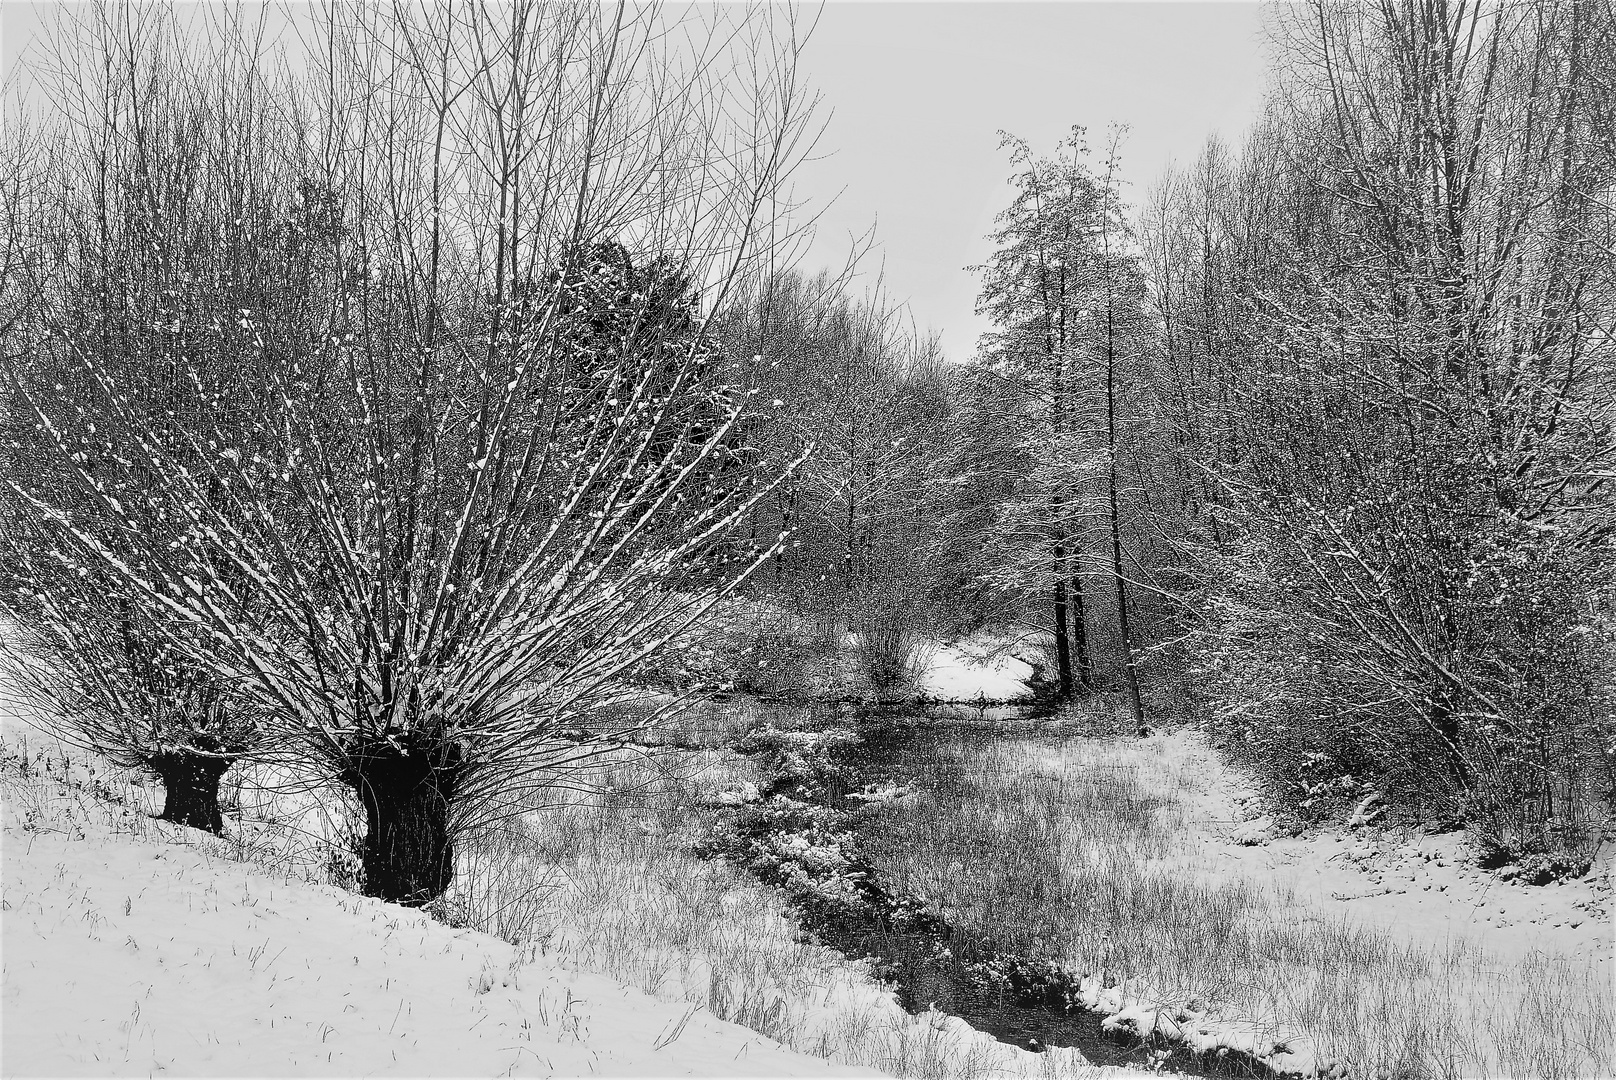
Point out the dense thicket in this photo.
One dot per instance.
(865, 403)
(1383, 367)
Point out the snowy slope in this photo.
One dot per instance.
(133, 947)
(124, 956)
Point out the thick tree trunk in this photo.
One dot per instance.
(408, 854)
(191, 788)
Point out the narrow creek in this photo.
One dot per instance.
(808, 836)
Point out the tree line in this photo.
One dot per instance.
(1312, 447)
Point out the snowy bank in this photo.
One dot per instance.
(126, 956)
(975, 669)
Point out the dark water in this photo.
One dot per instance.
(1015, 999)
(923, 979)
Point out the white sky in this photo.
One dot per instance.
(916, 92)
(920, 91)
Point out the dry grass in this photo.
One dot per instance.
(290, 828)
(1056, 848)
(605, 882)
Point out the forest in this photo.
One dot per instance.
(433, 409)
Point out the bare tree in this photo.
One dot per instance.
(850, 379)
(520, 491)
(160, 242)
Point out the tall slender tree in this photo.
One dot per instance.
(1065, 291)
(1030, 289)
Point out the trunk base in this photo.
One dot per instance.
(408, 855)
(191, 788)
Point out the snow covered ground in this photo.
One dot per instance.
(964, 670)
(133, 947)
(1418, 888)
(1394, 944)
(126, 955)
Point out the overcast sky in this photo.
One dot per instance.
(920, 90)
(915, 94)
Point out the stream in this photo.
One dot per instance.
(808, 829)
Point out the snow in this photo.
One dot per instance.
(972, 669)
(124, 955)
(875, 795)
(132, 946)
(1420, 889)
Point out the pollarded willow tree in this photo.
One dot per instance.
(157, 237)
(517, 481)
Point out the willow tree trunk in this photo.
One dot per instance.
(191, 787)
(407, 792)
